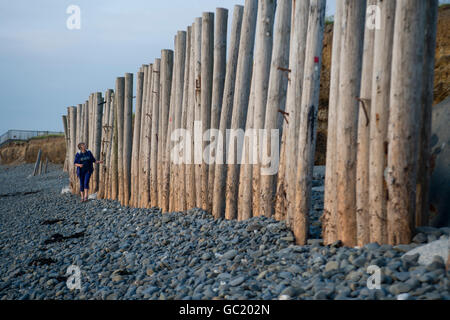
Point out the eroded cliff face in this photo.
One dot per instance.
(441, 79)
(53, 148)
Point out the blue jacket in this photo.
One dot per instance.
(87, 160)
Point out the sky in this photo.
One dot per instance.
(46, 67)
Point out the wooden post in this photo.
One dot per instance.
(166, 91)
(109, 142)
(66, 138)
(379, 116)
(127, 137)
(403, 128)
(86, 122)
(41, 168)
(136, 139)
(73, 148)
(276, 102)
(347, 127)
(218, 208)
(145, 193)
(362, 151)
(219, 71)
(240, 104)
(263, 58)
(79, 111)
(98, 108)
(187, 85)
(145, 136)
(46, 165)
(180, 56)
(207, 65)
(246, 173)
(154, 136)
(190, 170)
(285, 205)
(120, 101)
(198, 152)
(103, 146)
(329, 216)
(424, 165)
(308, 119)
(38, 163)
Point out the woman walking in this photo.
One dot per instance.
(84, 160)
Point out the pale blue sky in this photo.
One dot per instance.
(45, 67)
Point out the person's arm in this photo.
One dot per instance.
(93, 158)
(77, 161)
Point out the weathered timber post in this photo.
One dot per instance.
(154, 136)
(180, 56)
(362, 151)
(347, 125)
(308, 119)
(170, 170)
(276, 102)
(198, 152)
(73, 148)
(424, 165)
(66, 138)
(379, 116)
(79, 128)
(245, 174)
(329, 216)
(119, 98)
(108, 145)
(219, 71)
(144, 135)
(240, 105)
(145, 193)
(46, 165)
(38, 163)
(98, 107)
(127, 137)
(182, 199)
(218, 208)
(136, 139)
(86, 122)
(403, 128)
(263, 58)
(166, 87)
(285, 204)
(207, 55)
(189, 169)
(103, 146)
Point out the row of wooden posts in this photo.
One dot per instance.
(40, 166)
(378, 131)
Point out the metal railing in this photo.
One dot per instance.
(23, 135)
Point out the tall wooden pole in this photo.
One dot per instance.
(103, 147)
(144, 136)
(276, 102)
(424, 165)
(219, 71)
(198, 152)
(190, 115)
(166, 92)
(180, 56)
(38, 163)
(136, 139)
(187, 85)
(403, 128)
(120, 101)
(362, 151)
(329, 216)
(207, 55)
(379, 116)
(127, 137)
(98, 137)
(218, 208)
(347, 127)
(263, 58)
(240, 104)
(73, 148)
(285, 208)
(109, 144)
(154, 136)
(66, 138)
(308, 119)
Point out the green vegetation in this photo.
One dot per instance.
(51, 135)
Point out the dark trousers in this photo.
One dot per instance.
(84, 180)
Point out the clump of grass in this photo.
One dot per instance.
(329, 20)
(51, 135)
